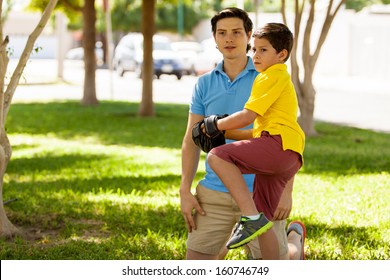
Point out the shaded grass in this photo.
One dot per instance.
(102, 183)
(343, 150)
(112, 124)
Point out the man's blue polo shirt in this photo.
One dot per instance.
(215, 93)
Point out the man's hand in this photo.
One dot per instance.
(283, 210)
(189, 205)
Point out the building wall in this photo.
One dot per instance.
(19, 26)
(370, 46)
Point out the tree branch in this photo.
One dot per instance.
(294, 61)
(25, 56)
(326, 27)
(4, 59)
(283, 11)
(306, 50)
(1, 20)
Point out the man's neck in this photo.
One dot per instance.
(233, 67)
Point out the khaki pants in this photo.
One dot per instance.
(214, 229)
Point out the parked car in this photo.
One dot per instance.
(208, 58)
(128, 56)
(188, 53)
(78, 54)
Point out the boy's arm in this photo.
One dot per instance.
(238, 134)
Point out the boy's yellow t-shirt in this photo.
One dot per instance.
(274, 99)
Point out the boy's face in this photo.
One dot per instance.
(264, 55)
(231, 38)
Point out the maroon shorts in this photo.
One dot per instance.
(272, 167)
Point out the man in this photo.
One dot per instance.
(225, 91)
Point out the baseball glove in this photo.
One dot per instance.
(212, 138)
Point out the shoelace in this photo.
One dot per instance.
(239, 227)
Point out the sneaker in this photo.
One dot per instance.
(300, 229)
(248, 230)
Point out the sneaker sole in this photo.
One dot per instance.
(262, 230)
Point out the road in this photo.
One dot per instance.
(354, 101)
(39, 83)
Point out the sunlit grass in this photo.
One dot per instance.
(102, 183)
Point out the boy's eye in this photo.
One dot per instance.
(259, 50)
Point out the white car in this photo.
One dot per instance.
(208, 58)
(78, 54)
(188, 53)
(128, 56)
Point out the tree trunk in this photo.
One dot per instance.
(148, 28)
(305, 90)
(89, 40)
(6, 227)
(306, 107)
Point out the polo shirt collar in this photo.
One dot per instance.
(249, 67)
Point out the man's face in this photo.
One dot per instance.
(231, 38)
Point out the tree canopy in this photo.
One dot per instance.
(126, 15)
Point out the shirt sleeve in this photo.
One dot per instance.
(265, 91)
(197, 104)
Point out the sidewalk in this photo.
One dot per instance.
(39, 84)
(354, 101)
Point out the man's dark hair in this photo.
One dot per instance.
(232, 12)
(279, 36)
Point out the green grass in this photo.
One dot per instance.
(102, 183)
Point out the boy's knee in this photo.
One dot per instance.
(211, 158)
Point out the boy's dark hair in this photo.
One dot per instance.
(233, 12)
(279, 36)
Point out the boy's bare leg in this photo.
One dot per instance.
(231, 177)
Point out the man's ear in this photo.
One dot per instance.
(249, 35)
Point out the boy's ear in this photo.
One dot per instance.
(283, 54)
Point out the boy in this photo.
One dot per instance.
(274, 154)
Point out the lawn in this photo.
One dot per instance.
(101, 183)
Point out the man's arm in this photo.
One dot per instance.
(189, 165)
